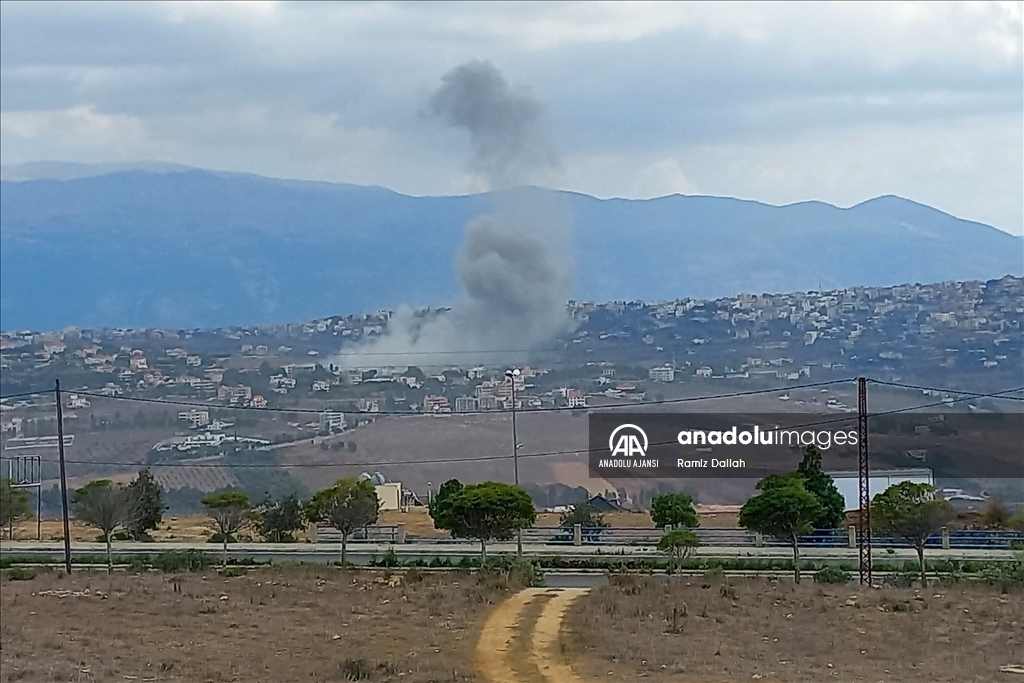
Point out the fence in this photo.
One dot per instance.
(714, 537)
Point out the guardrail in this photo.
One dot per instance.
(715, 537)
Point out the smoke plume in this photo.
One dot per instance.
(514, 264)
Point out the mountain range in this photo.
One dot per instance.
(187, 248)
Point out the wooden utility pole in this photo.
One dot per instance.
(63, 479)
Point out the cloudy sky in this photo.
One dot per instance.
(776, 102)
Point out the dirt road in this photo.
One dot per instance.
(519, 640)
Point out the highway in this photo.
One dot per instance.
(362, 553)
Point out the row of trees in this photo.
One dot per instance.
(131, 511)
(348, 506)
(789, 507)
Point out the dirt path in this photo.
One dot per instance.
(547, 654)
(505, 624)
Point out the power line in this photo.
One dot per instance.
(397, 413)
(969, 394)
(484, 458)
(26, 394)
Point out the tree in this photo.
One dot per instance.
(14, 503)
(784, 510)
(587, 517)
(675, 510)
(149, 506)
(491, 511)
(347, 506)
(440, 505)
(105, 506)
(230, 512)
(823, 488)
(911, 512)
(279, 519)
(678, 544)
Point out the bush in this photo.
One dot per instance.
(831, 574)
(356, 669)
(902, 579)
(182, 561)
(232, 572)
(390, 559)
(139, 563)
(21, 574)
(218, 537)
(526, 575)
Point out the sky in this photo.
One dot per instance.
(775, 102)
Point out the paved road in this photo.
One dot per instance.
(364, 553)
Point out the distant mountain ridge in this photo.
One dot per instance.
(194, 248)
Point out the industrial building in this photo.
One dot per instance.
(848, 482)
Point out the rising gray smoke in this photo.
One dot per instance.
(505, 127)
(514, 264)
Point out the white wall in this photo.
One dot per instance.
(848, 486)
(390, 496)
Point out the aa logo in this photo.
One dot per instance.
(628, 440)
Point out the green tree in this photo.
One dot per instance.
(14, 504)
(149, 506)
(587, 517)
(675, 510)
(823, 488)
(279, 519)
(785, 510)
(678, 544)
(911, 512)
(349, 505)
(230, 512)
(440, 505)
(105, 506)
(491, 511)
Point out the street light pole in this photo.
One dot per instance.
(512, 375)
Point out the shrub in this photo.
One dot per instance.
(139, 563)
(903, 579)
(527, 575)
(232, 571)
(831, 574)
(390, 559)
(21, 574)
(356, 669)
(182, 561)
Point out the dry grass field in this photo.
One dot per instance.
(327, 624)
(759, 629)
(269, 625)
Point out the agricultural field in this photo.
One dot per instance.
(690, 630)
(206, 479)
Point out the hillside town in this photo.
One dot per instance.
(617, 351)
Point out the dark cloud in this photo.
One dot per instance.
(625, 86)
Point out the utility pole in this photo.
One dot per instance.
(864, 481)
(512, 375)
(63, 478)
